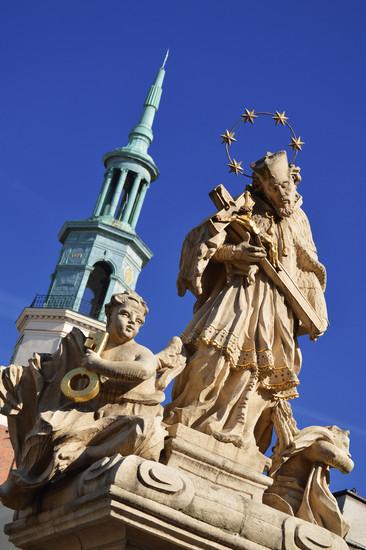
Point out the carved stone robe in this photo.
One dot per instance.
(242, 338)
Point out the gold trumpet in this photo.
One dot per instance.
(96, 341)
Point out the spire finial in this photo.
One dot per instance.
(141, 135)
(165, 59)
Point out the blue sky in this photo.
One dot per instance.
(74, 77)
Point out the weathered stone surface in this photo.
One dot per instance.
(126, 504)
(300, 476)
(222, 464)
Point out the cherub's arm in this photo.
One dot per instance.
(142, 368)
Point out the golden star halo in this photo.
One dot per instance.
(228, 137)
(249, 116)
(296, 143)
(236, 166)
(280, 118)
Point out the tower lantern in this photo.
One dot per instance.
(130, 169)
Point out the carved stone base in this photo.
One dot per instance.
(222, 464)
(136, 504)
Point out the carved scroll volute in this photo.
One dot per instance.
(159, 477)
(164, 484)
(306, 536)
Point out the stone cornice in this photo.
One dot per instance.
(65, 315)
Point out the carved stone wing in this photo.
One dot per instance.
(171, 362)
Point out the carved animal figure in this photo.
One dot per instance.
(301, 476)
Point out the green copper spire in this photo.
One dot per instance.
(141, 136)
(104, 254)
(130, 169)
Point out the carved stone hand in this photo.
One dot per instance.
(91, 361)
(241, 252)
(249, 253)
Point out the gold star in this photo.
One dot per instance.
(235, 166)
(249, 116)
(280, 118)
(228, 137)
(296, 143)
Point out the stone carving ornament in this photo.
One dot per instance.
(301, 475)
(143, 477)
(304, 537)
(54, 436)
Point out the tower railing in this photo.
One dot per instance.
(64, 301)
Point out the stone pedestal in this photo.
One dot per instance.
(205, 497)
(220, 464)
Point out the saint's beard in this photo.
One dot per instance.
(285, 207)
(284, 211)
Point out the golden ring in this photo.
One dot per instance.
(86, 394)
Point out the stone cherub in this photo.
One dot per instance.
(53, 436)
(300, 473)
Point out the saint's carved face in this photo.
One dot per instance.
(276, 180)
(125, 321)
(281, 193)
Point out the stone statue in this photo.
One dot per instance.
(53, 436)
(300, 474)
(96, 464)
(243, 356)
(96, 467)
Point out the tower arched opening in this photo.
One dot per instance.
(96, 290)
(125, 195)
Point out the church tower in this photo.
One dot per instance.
(103, 254)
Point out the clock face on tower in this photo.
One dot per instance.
(76, 255)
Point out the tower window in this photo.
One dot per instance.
(136, 204)
(111, 191)
(96, 290)
(122, 203)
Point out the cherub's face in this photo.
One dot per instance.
(125, 321)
